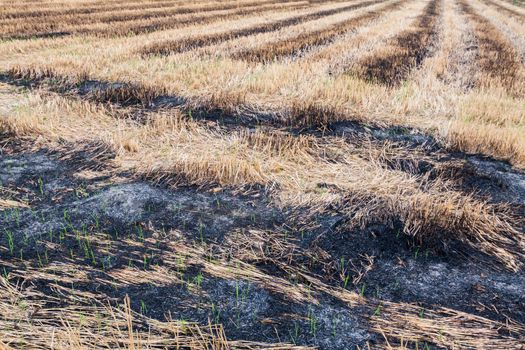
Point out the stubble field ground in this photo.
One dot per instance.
(262, 174)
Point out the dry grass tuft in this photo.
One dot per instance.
(30, 321)
(9, 203)
(445, 328)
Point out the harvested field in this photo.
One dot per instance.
(119, 23)
(261, 174)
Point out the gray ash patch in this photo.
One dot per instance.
(513, 180)
(465, 286)
(239, 304)
(125, 204)
(354, 131)
(403, 272)
(248, 311)
(14, 167)
(62, 201)
(328, 326)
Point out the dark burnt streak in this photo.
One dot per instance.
(497, 58)
(55, 14)
(409, 49)
(134, 25)
(305, 41)
(172, 47)
(505, 9)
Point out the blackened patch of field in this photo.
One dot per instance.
(179, 251)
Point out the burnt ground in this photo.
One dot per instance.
(102, 221)
(84, 223)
